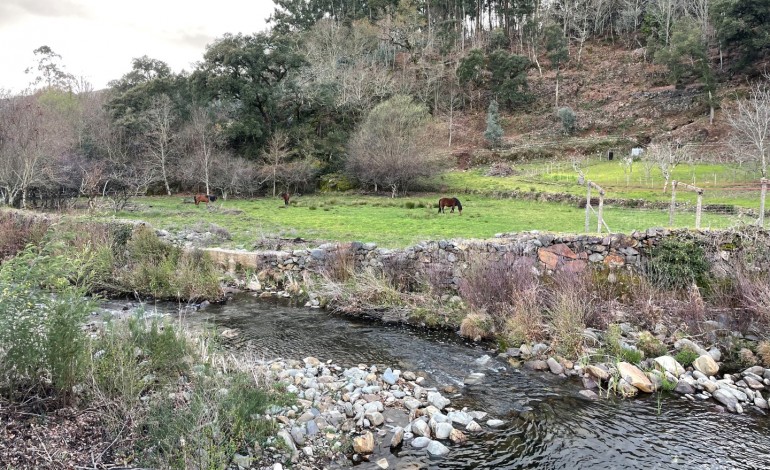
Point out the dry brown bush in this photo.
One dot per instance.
(339, 264)
(17, 231)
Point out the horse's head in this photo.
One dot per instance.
(459, 206)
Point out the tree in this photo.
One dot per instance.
(275, 157)
(203, 138)
(247, 74)
(568, 119)
(32, 137)
(750, 122)
(558, 53)
(389, 148)
(50, 72)
(160, 136)
(667, 156)
(743, 24)
(494, 133)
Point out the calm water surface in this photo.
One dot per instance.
(549, 426)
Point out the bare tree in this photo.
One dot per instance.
(31, 137)
(275, 158)
(160, 136)
(750, 136)
(203, 140)
(750, 122)
(390, 148)
(667, 156)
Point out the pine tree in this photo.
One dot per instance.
(494, 133)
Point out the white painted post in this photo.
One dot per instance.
(698, 209)
(588, 205)
(673, 204)
(601, 207)
(762, 202)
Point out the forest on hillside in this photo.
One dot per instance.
(339, 94)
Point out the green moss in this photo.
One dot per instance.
(686, 356)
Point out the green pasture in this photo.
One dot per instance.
(388, 222)
(723, 184)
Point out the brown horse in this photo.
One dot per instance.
(285, 197)
(204, 198)
(449, 202)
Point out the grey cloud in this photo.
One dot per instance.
(13, 10)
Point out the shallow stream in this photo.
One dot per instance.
(548, 425)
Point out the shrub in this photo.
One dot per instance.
(339, 264)
(164, 271)
(42, 342)
(568, 305)
(763, 351)
(477, 326)
(17, 231)
(676, 264)
(650, 345)
(568, 119)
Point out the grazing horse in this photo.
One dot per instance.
(204, 198)
(449, 202)
(285, 197)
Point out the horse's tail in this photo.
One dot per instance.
(211, 197)
(439, 206)
(458, 204)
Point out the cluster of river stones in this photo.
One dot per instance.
(359, 413)
(700, 381)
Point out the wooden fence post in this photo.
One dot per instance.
(673, 204)
(762, 202)
(698, 209)
(588, 205)
(601, 207)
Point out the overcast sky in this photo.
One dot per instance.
(98, 38)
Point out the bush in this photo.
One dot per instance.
(650, 345)
(677, 264)
(569, 304)
(164, 271)
(42, 342)
(568, 119)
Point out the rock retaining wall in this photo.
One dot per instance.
(450, 257)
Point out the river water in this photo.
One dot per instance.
(548, 425)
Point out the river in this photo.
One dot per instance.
(549, 426)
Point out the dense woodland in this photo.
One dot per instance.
(346, 93)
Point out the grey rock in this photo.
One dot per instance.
(684, 388)
(437, 400)
(590, 394)
(420, 428)
(495, 423)
(398, 437)
(420, 442)
(460, 417)
(483, 360)
(474, 378)
(726, 398)
(442, 430)
(437, 449)
(473, 426)
(554, 366)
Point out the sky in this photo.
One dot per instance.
(97, 39)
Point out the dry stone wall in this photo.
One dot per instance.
(552, 251)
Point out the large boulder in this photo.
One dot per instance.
(634, 376)
(726, 398)
(364, 444)
(670, 365)
(706, 364)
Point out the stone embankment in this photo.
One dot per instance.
(699, 381)
(360, 412)
(570, 252)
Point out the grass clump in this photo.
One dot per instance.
(165, 271)
(685, 356)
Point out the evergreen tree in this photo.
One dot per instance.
(494, 133)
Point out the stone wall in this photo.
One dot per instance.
(568, 252)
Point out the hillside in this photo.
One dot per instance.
(615, 93)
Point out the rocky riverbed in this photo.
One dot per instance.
(360, 414)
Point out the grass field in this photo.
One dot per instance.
(723, 184)
(389, 222)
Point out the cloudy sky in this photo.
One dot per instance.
(98, 38)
